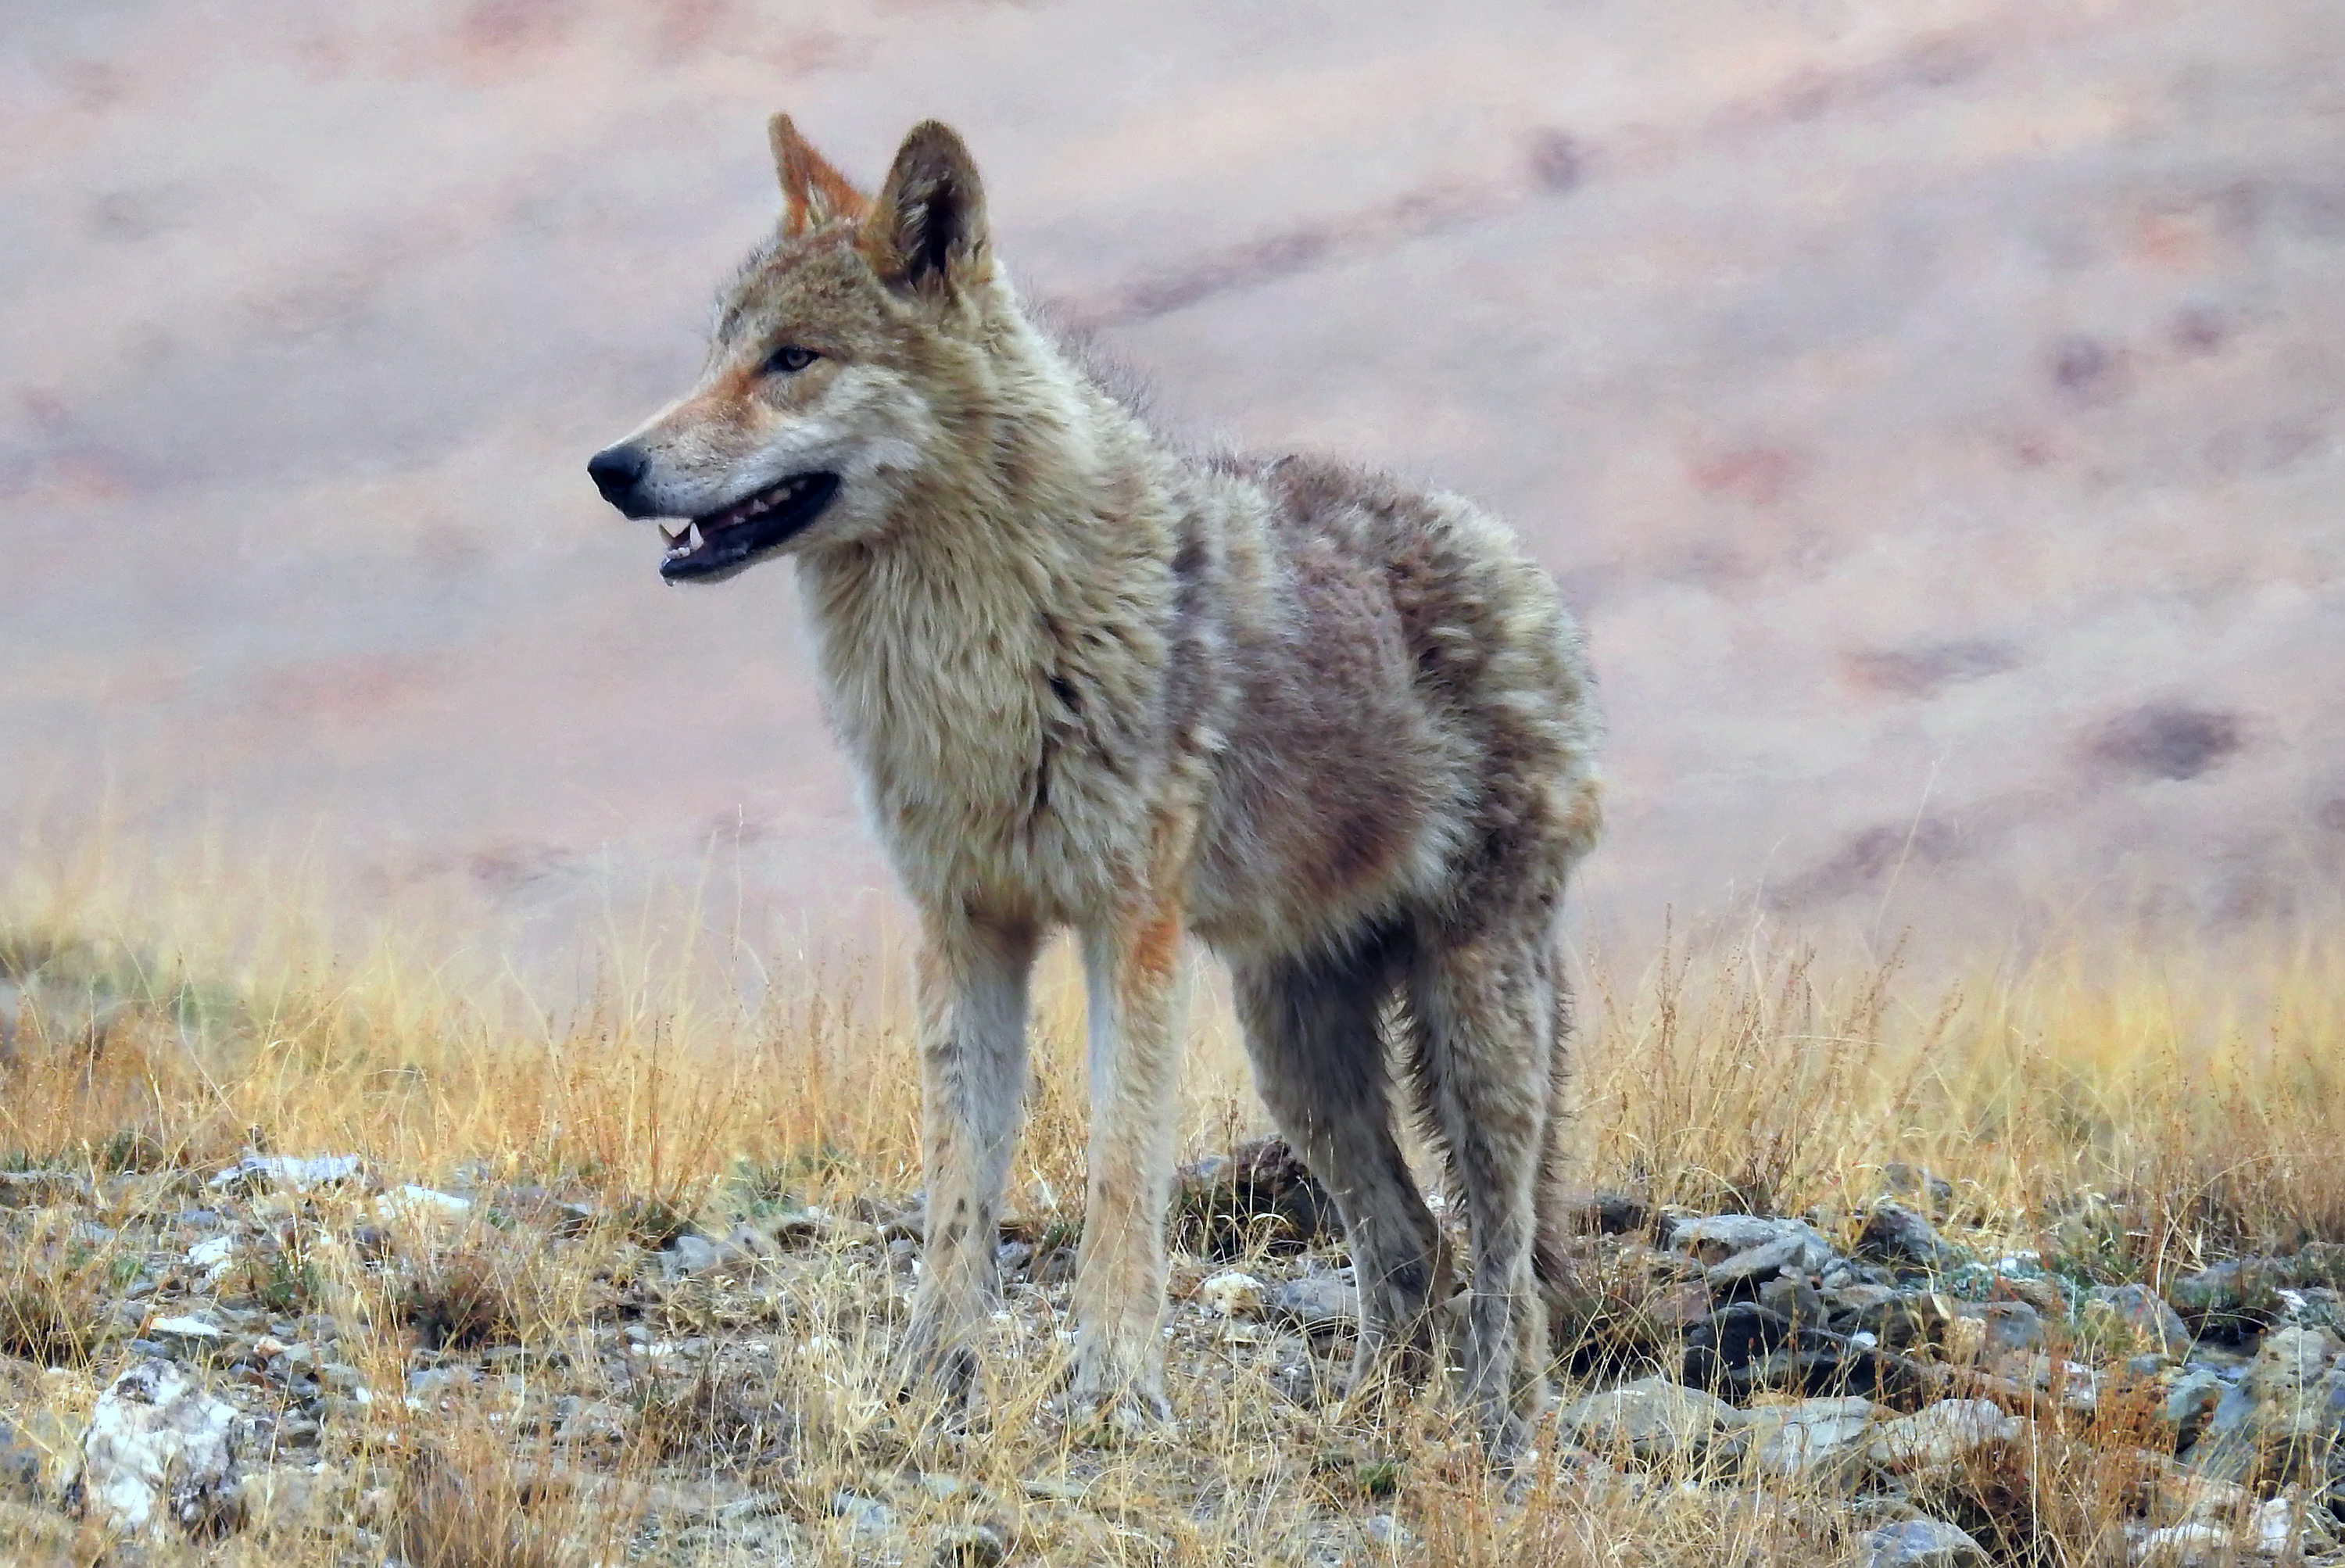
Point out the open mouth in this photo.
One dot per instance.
(722, 542)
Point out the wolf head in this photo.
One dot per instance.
(840, 354)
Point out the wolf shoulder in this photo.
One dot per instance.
(1357, 570)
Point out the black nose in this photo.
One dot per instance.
(615, 471)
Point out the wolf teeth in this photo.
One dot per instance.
(741, 512)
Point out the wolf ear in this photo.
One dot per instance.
(928, 227)
(813, 192)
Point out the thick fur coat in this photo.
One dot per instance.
(1338, 730)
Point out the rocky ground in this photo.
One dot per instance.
(302, 1359)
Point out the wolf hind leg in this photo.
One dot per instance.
(1311, 1027)
(1482, 1011)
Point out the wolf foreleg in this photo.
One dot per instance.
(1132, 971)
(972, 995)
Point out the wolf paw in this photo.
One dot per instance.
(1124, 1417)
(1117, 1403)
(931, 1364)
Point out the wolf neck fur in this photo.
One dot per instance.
(1024, 515)
(1037, 531)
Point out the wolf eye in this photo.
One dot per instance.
(789, 359)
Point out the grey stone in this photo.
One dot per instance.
(1938, 1437)
(1922, 1543)
(2190, 1401)
(1260, 1196)
(35, 1189)
(2231, 1299)
(690, 1254)
(2285, 1414)
(1718, 1238)
(20, 1462)
(1892, 1316)
(430, 1383)
(1650, 1418)
(2136, 1309)
(1318, 1303)
(580, 1420)
(2012, 1327)
(2224, 1448)
(341, 1377)
(1795, 1298)
(968, 1546)
(1759, 1264)
(947, 1487)
(1812, 1438)
(2315, 1307)
(864, 1515)
(1918, 1182)
(1897, 1234)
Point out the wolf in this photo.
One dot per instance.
(1338, 730)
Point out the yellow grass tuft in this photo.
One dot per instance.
(2128, 1113)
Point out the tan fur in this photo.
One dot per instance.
(1338, 729)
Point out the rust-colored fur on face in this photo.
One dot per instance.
(1338, 729)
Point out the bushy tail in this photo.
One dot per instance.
(1569, 1304)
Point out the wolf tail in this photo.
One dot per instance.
(1569, 1304)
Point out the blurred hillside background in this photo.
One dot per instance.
(1934, 410)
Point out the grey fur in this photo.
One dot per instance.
(1339, 729)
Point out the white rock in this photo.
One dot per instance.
(2286, 1525)
(2272, 1530)
(1232, 1294)
(192, 1332)
(157, 1445)
(286, 1171)
(2197, 1545)
(414, 1205)
(212, 1259)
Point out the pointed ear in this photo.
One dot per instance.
(813, 192)
(928, 227)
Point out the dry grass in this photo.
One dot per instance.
(2128, 1115)
(54, 1292)
(467, 1501)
